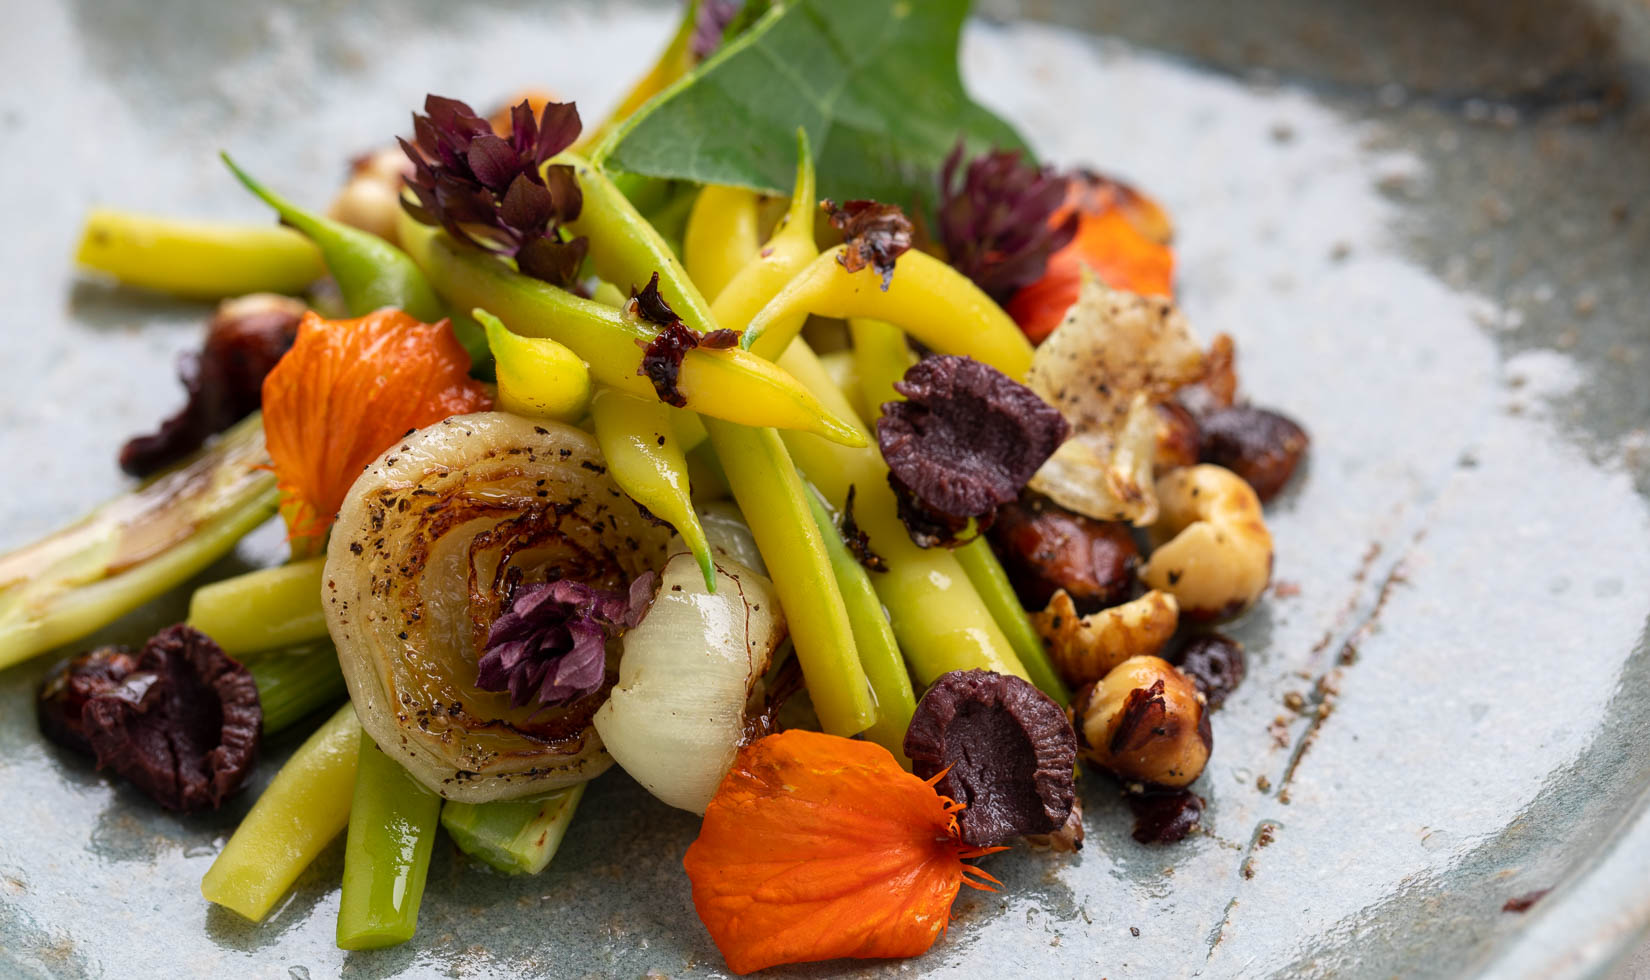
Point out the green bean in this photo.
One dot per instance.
(771, 495)
(986, 574)
(197, 259)
(392, 821)
(873, 639)
(262, 610)
(371, 273)
(296, 682)
(517, 837)
(136, 547)
(304, 808)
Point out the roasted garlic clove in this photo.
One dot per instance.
(1086, 648)
(1145, 722)
(1211, 546)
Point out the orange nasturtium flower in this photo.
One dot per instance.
(344, 393)
(1121, 234)
(817, 847)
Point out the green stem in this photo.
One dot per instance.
(292, 684)
(197, 259)
(262, 610)
(135, 547)
(517, 837)
(873, 638)
(300, 813)
(392, 822)
(771, 495)
(991, 582)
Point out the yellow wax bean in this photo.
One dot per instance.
(926, 298)
(646, 461)
(721, 237)
(771, 496)
(785, 255)
(881, 357)
(304, 808)
(940, 620)
(729, 384)
(197, 259)
(537, 377)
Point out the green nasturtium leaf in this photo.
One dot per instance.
(874, 82)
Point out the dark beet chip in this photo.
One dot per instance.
(64, 695)
(224, 381)
(963, 442)
(1165, 817)
(858, 542)
(1260, 446)
(650, 306)
(873, 234)
(1045, 547)
(1215, 663)
(184, 726)
(662, 361)
(1008, 754)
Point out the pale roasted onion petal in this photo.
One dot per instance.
(1111, 359)
(428, 543)
(675, 718)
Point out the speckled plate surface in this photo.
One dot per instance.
(1427, 226)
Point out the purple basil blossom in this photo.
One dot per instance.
(496, 193)
(995, 223)
(710, 23)
(550, 647)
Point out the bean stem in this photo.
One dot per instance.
(513, 836)
(304, 808)
(392, 822)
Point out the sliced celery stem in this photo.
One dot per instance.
(304, 808)
(197, 259)
(294, 683)
(135, 547)
(771, 495)
(873, 638)
(392, 821)
(517, 837)
(262, 610)
(991, 582)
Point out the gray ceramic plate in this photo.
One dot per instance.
(1426, 225)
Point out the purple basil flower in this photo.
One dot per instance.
(710, 23)
(550, 646)
(496, 193)
(995, 224)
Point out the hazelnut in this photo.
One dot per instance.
(1145, 722)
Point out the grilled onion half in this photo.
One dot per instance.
(429, 543)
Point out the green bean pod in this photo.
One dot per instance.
(989, 579)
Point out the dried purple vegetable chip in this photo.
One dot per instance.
(550, 646)
(1215, 663)
(963, 442)
(75, 681)
(1007, 750)
(858, 542)
(662, 360)
(995, 224)
(873, 234)
(224, 382)
(1163, 817)
(184, 726)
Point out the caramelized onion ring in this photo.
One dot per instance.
(427, 547)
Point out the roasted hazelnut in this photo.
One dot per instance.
(1211, 545)
(1008, 754)
(1045, 548)
(1259, 445)
(75, 681)
(1086, 648)
(371, 199)
(1214, 662)
(1177, 437)
(1144, 722)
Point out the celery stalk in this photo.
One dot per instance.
(135, 547)
(262, 610)
(304, 808)
(295, 682)
(391, 833)
(514, 836)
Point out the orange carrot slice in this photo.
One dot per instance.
(817, 847)
(344, 393)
